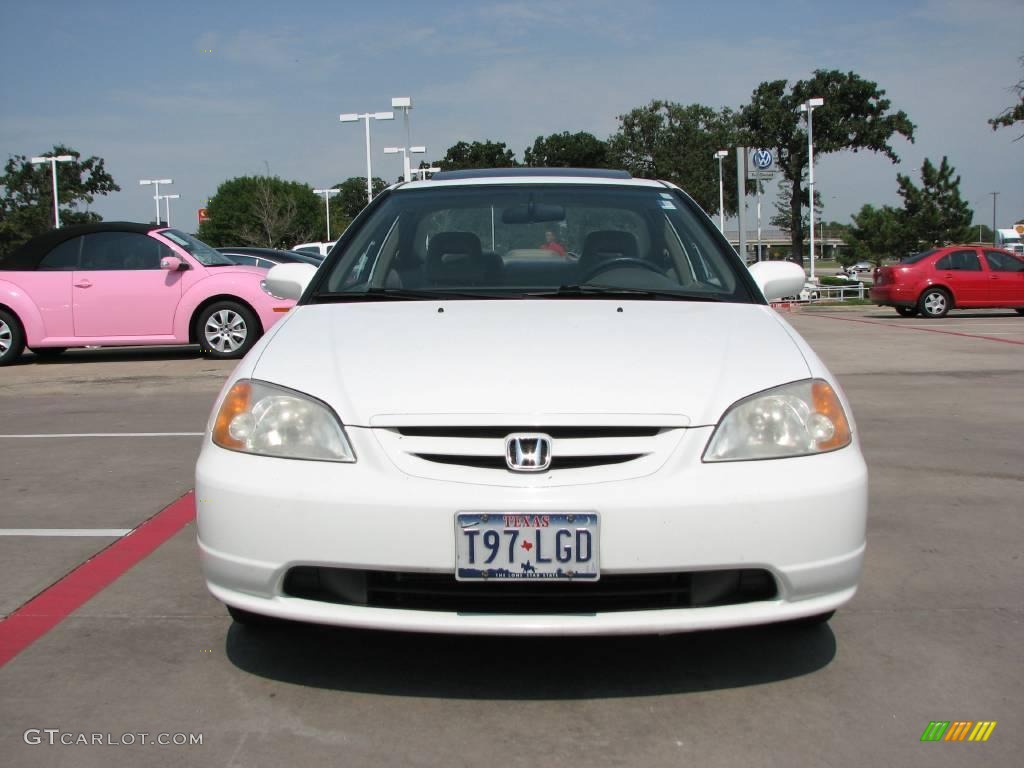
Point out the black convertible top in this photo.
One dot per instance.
(27, 257)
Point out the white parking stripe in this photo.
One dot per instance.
(106, 434)
(111, 532)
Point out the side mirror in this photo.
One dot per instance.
(778, 278)
(173, 263)
(288, 281)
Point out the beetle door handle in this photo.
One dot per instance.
(83, 284)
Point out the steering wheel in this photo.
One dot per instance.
(621, 261)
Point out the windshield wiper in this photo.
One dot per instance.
(402, 294)
(589, 291)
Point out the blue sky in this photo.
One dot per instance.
(133, 82)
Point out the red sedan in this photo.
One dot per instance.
(954, 277)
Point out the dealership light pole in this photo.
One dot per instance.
(421, 173)
(808, 107)
(406, 151)
(720, 155)
(994, 196)
(352, 117)
(327, 199)
(404, 103)
(156, 197)
(167, 202)
(53, 171)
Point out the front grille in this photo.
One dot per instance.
(614, 592)
(558, 433)
(499, 462)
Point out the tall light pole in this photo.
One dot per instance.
(404, 103)
(53, 172)
(406, 151)
(994, 196)
(421, 173)
(167, 202)
(327, 199)
(351, 117)
(156, 197)
(720, 155)
(808, 107)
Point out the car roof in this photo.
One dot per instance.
(28, 256)
(489, 176)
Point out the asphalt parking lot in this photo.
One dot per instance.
(96, 442)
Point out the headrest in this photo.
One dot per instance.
(455, 258)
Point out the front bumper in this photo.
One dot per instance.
(803, 520)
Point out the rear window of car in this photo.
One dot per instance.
(917, 257)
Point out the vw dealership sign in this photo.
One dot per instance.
(761, 165)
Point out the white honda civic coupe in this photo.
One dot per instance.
(532, 402)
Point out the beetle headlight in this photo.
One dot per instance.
(267, 420)
(796, 419)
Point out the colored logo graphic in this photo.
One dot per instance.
(762, 159)
(958, 730)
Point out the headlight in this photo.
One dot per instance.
(796, 419)
(266, 420)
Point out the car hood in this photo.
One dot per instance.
(531, 361)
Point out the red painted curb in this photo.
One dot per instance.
(47, 609)
(914, 328)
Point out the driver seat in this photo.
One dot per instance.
(606, 245)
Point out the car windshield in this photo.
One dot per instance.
(199, 250)
(534, 240)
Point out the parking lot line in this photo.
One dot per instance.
(47, 609)
(99, 532)
(914, 328)
(103, 434)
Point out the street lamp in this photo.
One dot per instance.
(421, 173)
(327, 199)
(406, 164)
(720, 155)
(352, 117)
(808, 107)
(53, 171)
(157, 183)
(167, 202)
(404, 103)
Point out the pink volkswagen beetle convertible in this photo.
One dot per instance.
(124, 284)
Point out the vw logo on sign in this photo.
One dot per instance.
(763, 159)
(528, 452)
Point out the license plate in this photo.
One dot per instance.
(506, 546)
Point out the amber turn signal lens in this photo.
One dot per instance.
(826, 402)
(236, 402)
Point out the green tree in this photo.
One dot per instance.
(350, 200)
(1012, 114)
(26, 203)
(264, 211)
(478, 154)
(567, 150)
(876, 234)
(934, 213)
(677, 143)
(855, 117)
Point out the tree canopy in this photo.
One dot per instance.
(676, 142)
(26, 202)
(478, 154)
(855, 116)
(264, 211)
(1015, 113)
(934, 213)
(350, 200)
(567, 150)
